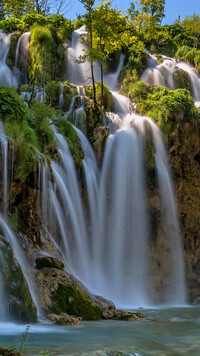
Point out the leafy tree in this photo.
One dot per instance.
(192, 26)
(2, 10)
(146, 14)
(90, 54)
(18, 8)
(109, 31)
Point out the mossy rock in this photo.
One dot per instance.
(19, 304)
(67, 130)
(61, 293)
(53, 90)
(8, 352)
(49, 261)
(10, 60)
(182, 80)
(73, 300)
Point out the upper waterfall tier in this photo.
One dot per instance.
(168, 74)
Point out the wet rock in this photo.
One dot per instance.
(8, 352)
(182, 80)
(18, 302)
(100, 134)
(60, 293)
(49, 261)
(65, 319)
(121, 315)
(105, 304)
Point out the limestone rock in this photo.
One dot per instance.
(18, 302)
(105, 304)
(100, 134)
(65, 319)
(49, 261)
(8, 352)
(60, 293)
(121, 315)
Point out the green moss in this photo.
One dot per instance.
(51, 262)
(69, 133)
(53, 90)
(167, 108)
(20, 304)
(72, 300)
(182, 80)
(40, 54)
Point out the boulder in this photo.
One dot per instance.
(65, 319)
(121, 315)
(105, 304)
(49, 261)
(18, 302)
(100, 134)
(8, 352)
(60, 293)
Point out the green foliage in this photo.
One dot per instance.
(34, 19)
(11, 24)
(163, 43)
(18, 8)
(137, 57)
(189, 57)
(192, 26)
(38, 119)
(107, 96)
(61, 26)
(182, 52)
(167, 108)
(11, 105)
(40, 54)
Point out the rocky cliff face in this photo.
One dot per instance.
(184, 154)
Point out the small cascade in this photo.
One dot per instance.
(4, 153)
(6, 75)
(164, 74)
(111, 80)
(79, 73)
(21, 57)
(76, 113)
(61, 97)
(66, 202)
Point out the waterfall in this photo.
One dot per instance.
(80, 73)
(6, 75)
(76, 113)
(21, 56)
(4, 153)
(61, 96)
(104, 234)
(163, 74)
(12, 239)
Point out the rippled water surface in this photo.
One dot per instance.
(174, 331)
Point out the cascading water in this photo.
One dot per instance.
(11, 238)
(163, 74)
(21, 57)
(6, 75)
(76, 113)
(105, 237)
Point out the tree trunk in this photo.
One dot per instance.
(92, 62)
(101, 64)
